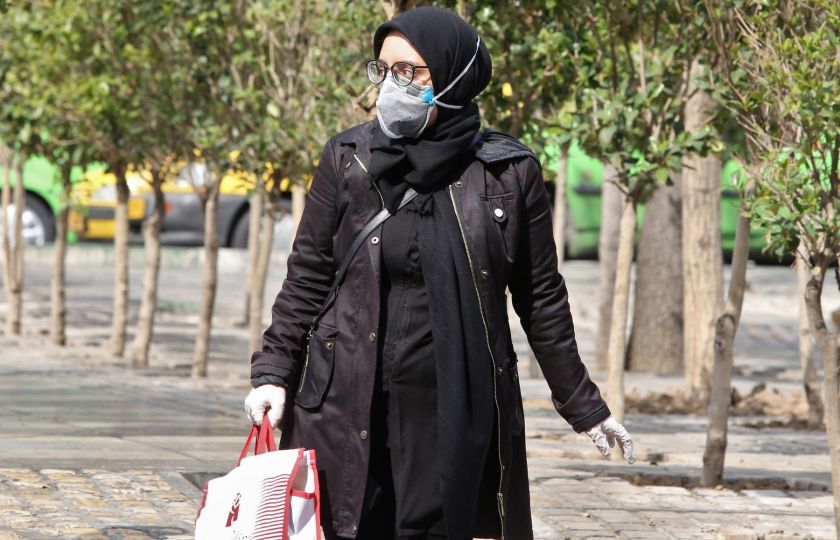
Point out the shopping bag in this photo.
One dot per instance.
(271, 495)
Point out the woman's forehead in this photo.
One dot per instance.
(397, 48)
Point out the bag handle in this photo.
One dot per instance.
(264, 439)
(376, 221)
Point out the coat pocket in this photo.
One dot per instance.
(501, 210)
(317, 367)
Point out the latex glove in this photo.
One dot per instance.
(605, 435)
(266, 396)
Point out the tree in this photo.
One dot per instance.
(107, 110)
(16, 88)
(656, 338)
(631, 65)
(702, 264)
(275, 91)
(784, 86)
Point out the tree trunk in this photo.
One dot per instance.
(831, 364)
(724, 340)
(810, 378)
(58, 309)
(151, 273)
(258, 278)
(621, 297)
(210, 278)
(120, 316)
(703, 269)
(15, 287)
(611, 201)
(702, 264)
(8, 274)
(656, 341)
(255, 210)
(828, 343)
(560, 208)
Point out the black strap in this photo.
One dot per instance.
(375, 221)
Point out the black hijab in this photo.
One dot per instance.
(447, 43)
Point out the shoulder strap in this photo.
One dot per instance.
(362, 235)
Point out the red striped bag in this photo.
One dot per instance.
(272, 495)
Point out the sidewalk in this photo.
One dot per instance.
(92, 449)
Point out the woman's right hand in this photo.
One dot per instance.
(266, 396)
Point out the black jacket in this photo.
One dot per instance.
(505, 214)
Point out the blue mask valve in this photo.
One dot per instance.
(428, 97)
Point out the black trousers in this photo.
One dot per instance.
(379, 508)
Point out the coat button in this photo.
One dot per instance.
(484, 273)
(499, 370)
(374, 240)
(363, 434)
(498, 212)
(372, 337)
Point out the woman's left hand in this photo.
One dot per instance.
(606, 433)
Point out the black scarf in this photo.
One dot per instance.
(447, 44)
(463, 365)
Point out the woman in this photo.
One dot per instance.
(408, 389)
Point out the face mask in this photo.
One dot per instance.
(404, 111)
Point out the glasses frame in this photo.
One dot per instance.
(400, 81)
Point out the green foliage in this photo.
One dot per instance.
(783, 83)
(631, 65)
(531, 47)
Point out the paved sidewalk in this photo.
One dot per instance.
(92, 449)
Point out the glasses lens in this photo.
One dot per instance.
(403, 73)
(376, 71)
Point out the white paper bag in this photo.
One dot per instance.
(272, 495)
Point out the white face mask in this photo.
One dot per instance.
(404, 111)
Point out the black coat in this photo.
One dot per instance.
(505, 214)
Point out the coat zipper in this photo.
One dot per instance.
(362, 165)
(500, 502)
(305, 360)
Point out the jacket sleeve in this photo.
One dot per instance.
(541, 301)
(309, 276)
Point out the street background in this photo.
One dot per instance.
(90, 448)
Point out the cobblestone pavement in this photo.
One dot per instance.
(91, 449)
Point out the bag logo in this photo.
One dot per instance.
(233, 515)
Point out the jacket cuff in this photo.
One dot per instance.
(592, 419)
(268, 379)
(268, 368)
(584, 408)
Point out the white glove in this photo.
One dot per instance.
(265, 396)
(605, 434)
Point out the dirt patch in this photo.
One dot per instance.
(736, 484)
(788, 410)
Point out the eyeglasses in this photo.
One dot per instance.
(402, 72)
